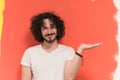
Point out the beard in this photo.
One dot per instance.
(50, 40)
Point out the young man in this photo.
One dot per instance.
(51, 60)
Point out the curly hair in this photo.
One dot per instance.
(37, 23)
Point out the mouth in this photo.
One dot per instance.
(50, 35)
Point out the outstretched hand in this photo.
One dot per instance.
(87, 46)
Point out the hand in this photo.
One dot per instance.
(87, 46)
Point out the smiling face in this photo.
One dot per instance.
(49, 31)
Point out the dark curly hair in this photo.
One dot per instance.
(37, 23)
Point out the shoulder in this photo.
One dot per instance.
(32, 49)
(68, 52)
(65, 47)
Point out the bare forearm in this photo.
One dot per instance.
(73, 66)
(73, 69)
(26, 73)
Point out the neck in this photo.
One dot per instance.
(50, 46)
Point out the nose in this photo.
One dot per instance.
(49, 30)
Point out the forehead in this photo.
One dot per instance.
(47, 21)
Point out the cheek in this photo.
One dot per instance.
(43, 33)
(55, 30)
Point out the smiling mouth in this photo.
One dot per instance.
(50, 34)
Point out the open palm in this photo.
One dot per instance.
(87, 46)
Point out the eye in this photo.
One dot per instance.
(44, 28)
(52, 26)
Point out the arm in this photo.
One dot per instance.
(26, 73)
(72, 66)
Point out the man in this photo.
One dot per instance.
(51, 60)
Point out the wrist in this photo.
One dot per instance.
(80, 51)
(78, 54)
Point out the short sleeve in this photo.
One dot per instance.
(70, 53)
(26, 58)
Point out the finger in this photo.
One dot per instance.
(98, 44)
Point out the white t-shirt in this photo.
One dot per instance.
(47, 66)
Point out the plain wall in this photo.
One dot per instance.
(86, 21)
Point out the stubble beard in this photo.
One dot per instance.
(50, 40)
